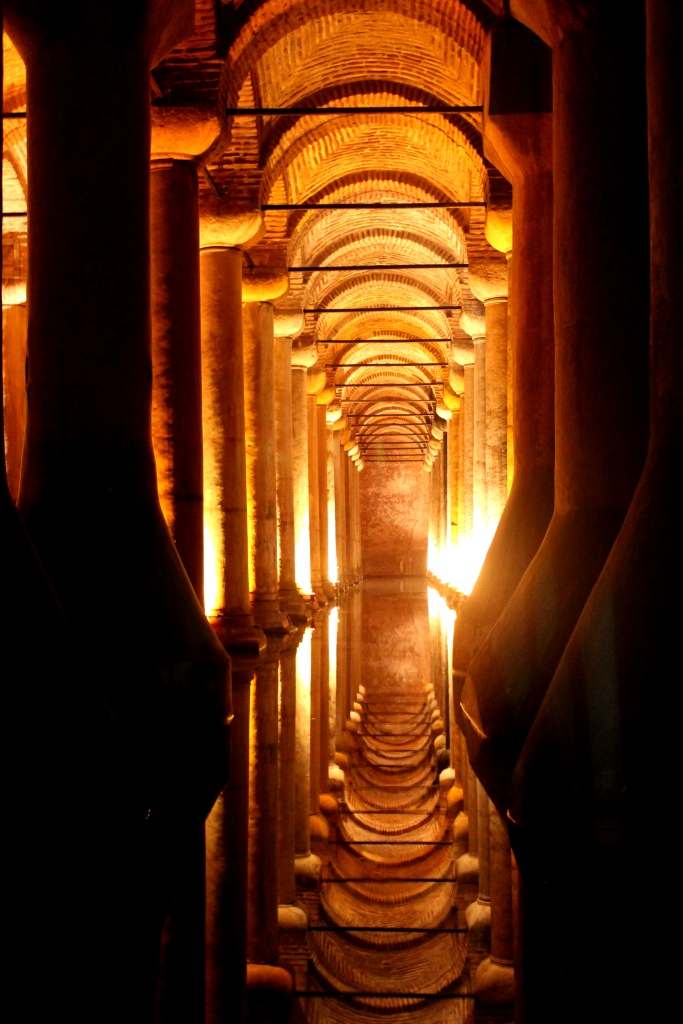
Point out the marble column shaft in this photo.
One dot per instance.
(321, 433)
(225, 475)
(289, 595)
(287, 774)
(314, 498)
(468, 461)
(479, 507)
(259, 404)
(496, 408)
(227, 846)
(262, 931)
(453, 482)
(176, 358)
(300, 479)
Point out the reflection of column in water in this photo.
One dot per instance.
(287, 773)
(324, 705)
(332, 701)
(342, 673)
(306, 863)
(263, 798)
(226, 871)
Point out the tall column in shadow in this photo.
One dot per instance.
(599, 256)
(315, 382)
(518, 138)
(88, 492)
(495, 977)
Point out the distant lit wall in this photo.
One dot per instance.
(394, 518)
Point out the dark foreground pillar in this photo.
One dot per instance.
(88, 494)
(600, 364)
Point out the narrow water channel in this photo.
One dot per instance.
(387, 942)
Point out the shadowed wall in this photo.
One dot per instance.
(394, 519)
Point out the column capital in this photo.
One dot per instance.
(488, 279)
(316, 379)
(226, 224)
(304, 354)
(186, 132)
(289, 322)
(472, 322)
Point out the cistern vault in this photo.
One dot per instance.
(341, 364)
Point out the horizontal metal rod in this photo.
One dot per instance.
(430, 811)
(343, 881)
(13, 114)
(388, 366)
(383, 995)
(389, 842)
(436, 108)
(382, 266)
(373, 206)
(391, 459)
(373, 309)
(368, 928)
(393, 384)
(15, 213)
(383, 341)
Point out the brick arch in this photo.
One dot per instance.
(263, 25)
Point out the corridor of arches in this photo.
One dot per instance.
(337, 526)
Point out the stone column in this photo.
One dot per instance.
(306, 864)
(290, 916)
(88, 491)
(478, 914)
(519, 140)
(322, 432)
(290, 598)
(479, 500)
(315, 383)
(227, 842)
(494, 982)
(467, 866)
(598, 260)
(303, 356)
(341, 510)
(226, 553)
(15, 406)
(259, 402)
(454, 501)
(628, 632)
(176, 356)
(488, 282)
(468, 467)
(332, 414)
(262, 912)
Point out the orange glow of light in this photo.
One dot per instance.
(213, 566)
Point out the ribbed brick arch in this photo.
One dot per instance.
(266, 24)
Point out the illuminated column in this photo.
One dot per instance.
(259, 403)
(226, 557)
(315, 382)
(290, 917)
(303, 356)
(262, 907)
(290, 598)
(519, 140)
(306, 864)
(323, 399)
(488, 282)
(473, 322)
(468, 470)
(14, 327)
(454, 501)
(88, 491)
(467, 866)
(340, 507)
(332, 415)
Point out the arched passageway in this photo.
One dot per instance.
(338, 531)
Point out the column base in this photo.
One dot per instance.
(294, 606)
(329, 806)
(239, 635)
(291, 918)
(269, 993)
(330, 590)
(308, 865)
(271, 619)
(335, 776)
(478, 921)
(454, 801)
(320, 595)
(467, 868)
(494, 982)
